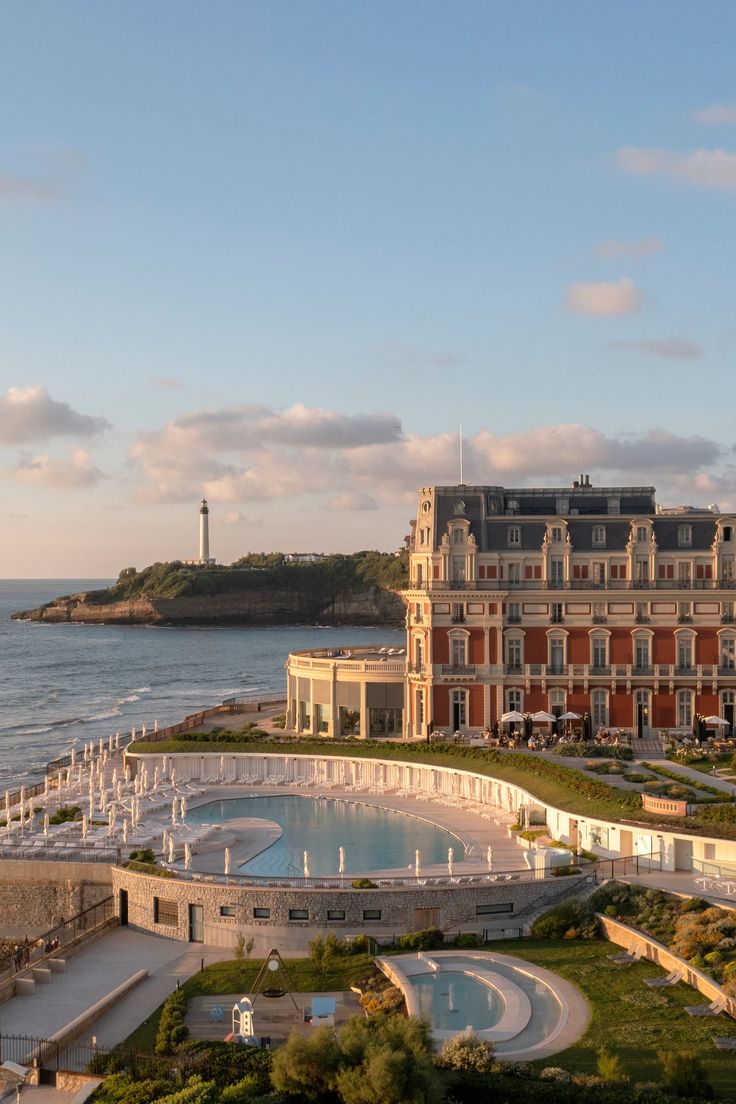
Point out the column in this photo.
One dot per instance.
(363, 711)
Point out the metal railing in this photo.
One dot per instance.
(574, 584)
(63, 852)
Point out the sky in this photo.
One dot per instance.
(277, 253)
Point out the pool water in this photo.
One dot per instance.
(452, 1000)
(373, 838)
(471, 997)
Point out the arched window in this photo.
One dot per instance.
(458, 640)
(685, 651)
(556, 652)
(642, 650)
(684, 709)
(514, 644)
(599, 651)
(599, 708)
(514, 700)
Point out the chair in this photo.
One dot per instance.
(672, 978)
(713, 1009)
(725, 1043)
(627, 958)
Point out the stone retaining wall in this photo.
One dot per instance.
(380, 912)
(34, 895)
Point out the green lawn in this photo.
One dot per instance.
(626, 1017)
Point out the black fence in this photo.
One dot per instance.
(52, 943)
(606, 869)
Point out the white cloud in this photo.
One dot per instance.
(670, 348)
(716, 115)
(234, 517)
(56, 172)
(636, 250)
(605, 299)
(707, 168)
(30, 414)
(48, 471)
(167, 383)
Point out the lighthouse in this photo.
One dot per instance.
(204, 532)
(203, 559)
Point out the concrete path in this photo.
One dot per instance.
(690, 775)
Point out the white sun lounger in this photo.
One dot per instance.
(672, 978)
(724, 1043)
(626, 958)
(713, 1009)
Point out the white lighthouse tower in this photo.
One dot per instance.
(203, 559)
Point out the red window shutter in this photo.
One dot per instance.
(481, 572)
(662, 571)
(584, 571)
(435, 571)
(528, 572)
(699, 571)
(622, 571)
(576, 571)
(709, 571)
(492, 572)
(670, 571)
(538, 571)
(614, 571)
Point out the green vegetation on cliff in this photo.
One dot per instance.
(260, 571)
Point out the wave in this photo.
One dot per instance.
(32, 731)
(115, 712)
(141, 689)
(129, 698)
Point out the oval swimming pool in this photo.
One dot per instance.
(452, 1000)
(373, 838)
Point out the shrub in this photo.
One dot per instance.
(429, 940)
(469, 940)
(144, 855)
(569, 919)
(364, 883)
(684, 1074)
(171, 1028)
(466, 1052)
(64, 814)
(609, 1066)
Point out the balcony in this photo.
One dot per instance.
(556, 619)
(458, 618)
(415, 668)
(684, 669)
(685, 619)
(514, 669)
(515, 620)
(600, 619)
(639, 669)
(555, 669)
(458, 670)
(599, 670)
(504, 585)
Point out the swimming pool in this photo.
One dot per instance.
(522, 1008)
(373, 838)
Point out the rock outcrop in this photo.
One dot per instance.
(366, 606)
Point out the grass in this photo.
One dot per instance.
(705, 766)
(550, 781)
(626, 1017)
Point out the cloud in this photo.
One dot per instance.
(30, 414)
(48, 471)
(234, 517)
(353, 500)
(605, 299)
(671, 348)
(706, 168)
(59, 173)
(716, 115)
(636, 250)
(167, 383)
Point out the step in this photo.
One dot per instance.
(41, 974)
(57, 965)
(24, 986)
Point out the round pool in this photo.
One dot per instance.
(372, 838)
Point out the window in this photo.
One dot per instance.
(298, 914)
(261, 914)
(599, 708)
(420, 707)
(556, 534)
(599, 536)
(727, 533)
(458, 651)
(489, 910)
(599, 613)
(684, 653)
(642, 534)
(458, 569)
(459, 706)
(514, 701)
(684, 572)
(513, 613)
(227, 910)
(557, 655)
(514, 653)
(555, 572)
(336, 914)
(641, 653)
(642, 569)
(599, 652)
(371, 914)
(599, 573)
(563, 505)
(684, 612)
(514, 576)
(684, 536)
(728, 653)
(513, 536)
(458, 613)
(684, 709)
(726, 612)
(642, 612)
(557, 613)
(165, 912)
(458, 536)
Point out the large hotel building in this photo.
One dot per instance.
(582, 599)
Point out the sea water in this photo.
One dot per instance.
(61, 685)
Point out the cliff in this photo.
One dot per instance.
(369, 605)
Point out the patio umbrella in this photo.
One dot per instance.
(543, 718)
(489, 858)
(187, 857)
(514, 717)
(450, 861)
(227, 860)
(719, 722)
(569, 717)
(171, 849)
(45, 825)
(183, 808)
(417, 862)
(306, 864)
(174, 810)
(341, 867)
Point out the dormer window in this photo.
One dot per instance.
(727, 533)
(458, 536)
(556, 534)
(642, 534)
(684, 536)
(599, 536)
(514, 536)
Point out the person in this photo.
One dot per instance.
(17, 957)
(26, 952)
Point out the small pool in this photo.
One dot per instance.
(522, 1008)
(373, 838)
(451, 1000)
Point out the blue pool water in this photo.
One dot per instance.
(451, 1000)
(480, 1010)
(373, 839)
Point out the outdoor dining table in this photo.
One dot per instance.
(715, 883)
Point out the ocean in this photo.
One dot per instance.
(62, 685)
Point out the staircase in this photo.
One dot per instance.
(649, 747)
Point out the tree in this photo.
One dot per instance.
(387, 1058)
(684, 1073)
(610, 1067)
(307, 1065)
